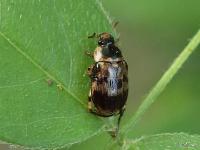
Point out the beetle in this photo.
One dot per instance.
(109, 78)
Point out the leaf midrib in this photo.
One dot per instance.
(49, 75)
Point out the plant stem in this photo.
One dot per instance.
(162, 83)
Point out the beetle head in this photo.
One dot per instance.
(105, 39)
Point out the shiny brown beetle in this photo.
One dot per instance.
(109, 78)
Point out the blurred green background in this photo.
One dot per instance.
(153, 33)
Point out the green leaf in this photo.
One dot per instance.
(43, 41)
(167, 141)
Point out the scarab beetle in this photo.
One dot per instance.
(109, 78)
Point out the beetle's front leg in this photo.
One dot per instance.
(89, 70)
(90, 54)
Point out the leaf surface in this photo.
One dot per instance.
(167, 141)
(43, 85)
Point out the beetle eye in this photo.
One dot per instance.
(100, 42)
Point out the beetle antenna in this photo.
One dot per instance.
(94, 35)
(114, 24)
(117, 39)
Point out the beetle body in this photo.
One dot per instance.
(109, 79)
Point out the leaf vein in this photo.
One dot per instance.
(20, 85)
(40, 67)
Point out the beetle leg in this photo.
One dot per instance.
(90, 54)
(115, 131)
(93, 111)
(89, 70)
(89, 105)
(89, 102)
(120, 116)
(91, 108)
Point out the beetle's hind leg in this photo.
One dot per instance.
(115, 131)
(121, 113)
